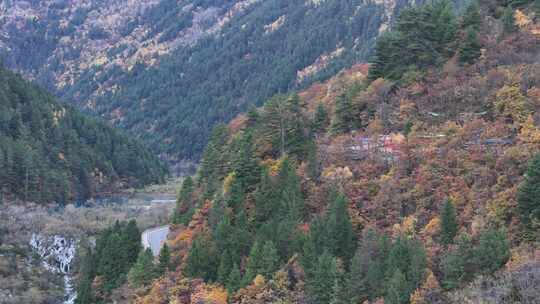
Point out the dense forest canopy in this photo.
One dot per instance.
(49, 152)
(177, 68)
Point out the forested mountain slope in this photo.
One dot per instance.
(49, 152)
(169, 70)
(413, 180)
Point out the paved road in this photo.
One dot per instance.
(154, 238)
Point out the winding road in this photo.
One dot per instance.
(154, 238)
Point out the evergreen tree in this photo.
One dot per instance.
(283, 126)
(184, 202)
(164, 259)
(270, 259)
(236, 195)
(202, 261)
(471, 18)
(509, 23)
(225, 266)
(253, 117)
(343, 116)
(290, 197)
(132, 242)
(529, 194)
(339, 227)
(308, 258)
(297, 139)
(397, 289)
(457, 265)
(112, 262)
(368, 267)
(266, 198)
(493, 251)
(255, 262)
(143, 272)
(423, 36)
(235, 279)
(320, 285)
(320, 120)
(449, 225)
(409, 257)
(213, 163)
(246, 165)
(340, 291)
(87, 274)
(470, 48)
(242, 237)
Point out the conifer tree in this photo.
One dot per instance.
(297, 139)
(529, 194)
(254, 263)
(283, 126)
(397, 289)
(457, 265)
(234, 280)
(241, 238)
(290, 198)
(368, 265)
(509, 23)
(270, 259)
(112, 262)
(246, 165)
(449, 225)
(320, 120)
(143, 272)
(493, 251)
(339, 227)
(183, 202)
(471, 17)
(253, 117)
(423, 36)
(164, 259)
(340, 291)
(236, 195)
(87, 272)
(202, 261)
(266, 198)
(132, 242)
(409, 257)
(343, 116)
(470, 48)
(225, 266)
(213, 163)
(320, 285)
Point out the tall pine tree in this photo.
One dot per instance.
(469, 50)
(144, 271)
(320, 285)
(164, 259)
(529, 194)
(449, 224)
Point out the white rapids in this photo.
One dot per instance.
(57, 253)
